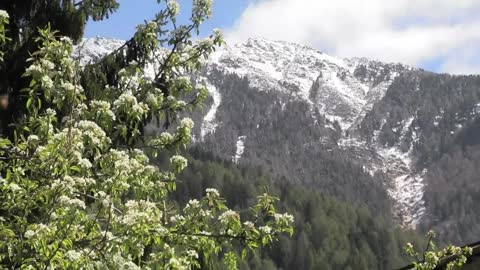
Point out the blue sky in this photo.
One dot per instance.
(133, 12)
(437, 35)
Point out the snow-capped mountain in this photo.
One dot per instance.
(342, 89)
(351, 127)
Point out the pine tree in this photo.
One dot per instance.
(68, 17)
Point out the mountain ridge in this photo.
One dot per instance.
(337, 100)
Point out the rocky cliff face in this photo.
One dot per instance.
(361, 130)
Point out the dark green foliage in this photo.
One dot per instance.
(26, 17)
(328, 234)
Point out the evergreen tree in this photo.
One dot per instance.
(68, 17)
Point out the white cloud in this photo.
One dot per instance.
(408, 31)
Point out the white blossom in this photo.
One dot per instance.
(206, 42)
(192, 253)
(249, 224)
(29, 234)
(47, 64)
(33, 138)
(228, 215)
(265, 229)
(33, 69)
(14, 187)
(187, 123)
(50, 112)
(194, 203)
(73, 255)
(287, 217)
(178, 162)
(84, 164)
(166, 137)
(173, 7)
(72, 201)
(66, 39)
(46, 81)
(4, 14)
(212, 192)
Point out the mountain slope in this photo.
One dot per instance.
(364, 131)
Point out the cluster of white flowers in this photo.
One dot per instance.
(73, 255)
(139, 156)
(33, 70)
(72, 201)
(72, 183)
(140, 211)
(284, 217)
(187, 123)
(84, 164)
(68, 87)
(153, 100)
(178, 163)
(180, 263)
(178, 32)
(50, 112)
(4, 14)
(212, 192)
(165, 138)
(128, 103)
(108, 235)
(249, 224)
(14, 187)
(100, 105)
(192, 254)
(104, 198)
(125, 99)
(47, 82)
(205, 43)
(228, 216)
(123, 165)
(29, 234)
(173, 7)
(93, 133)
(66, 40)
(202, 8)
(205, 213)
(38, 229)
(177, 218)
(265, 229)
(118, 261)
(140, 108)
(46, 64)
(193, 203)
(33, 138)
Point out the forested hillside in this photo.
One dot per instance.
(329, 234)
(438, 115)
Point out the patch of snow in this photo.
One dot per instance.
(209, 125)
(407, 187)
(93, 49)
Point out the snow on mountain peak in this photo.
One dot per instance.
(92, 49)
(339, 88)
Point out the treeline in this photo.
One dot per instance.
(452, 194)
(329, 234)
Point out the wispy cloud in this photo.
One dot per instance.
(408, 31)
